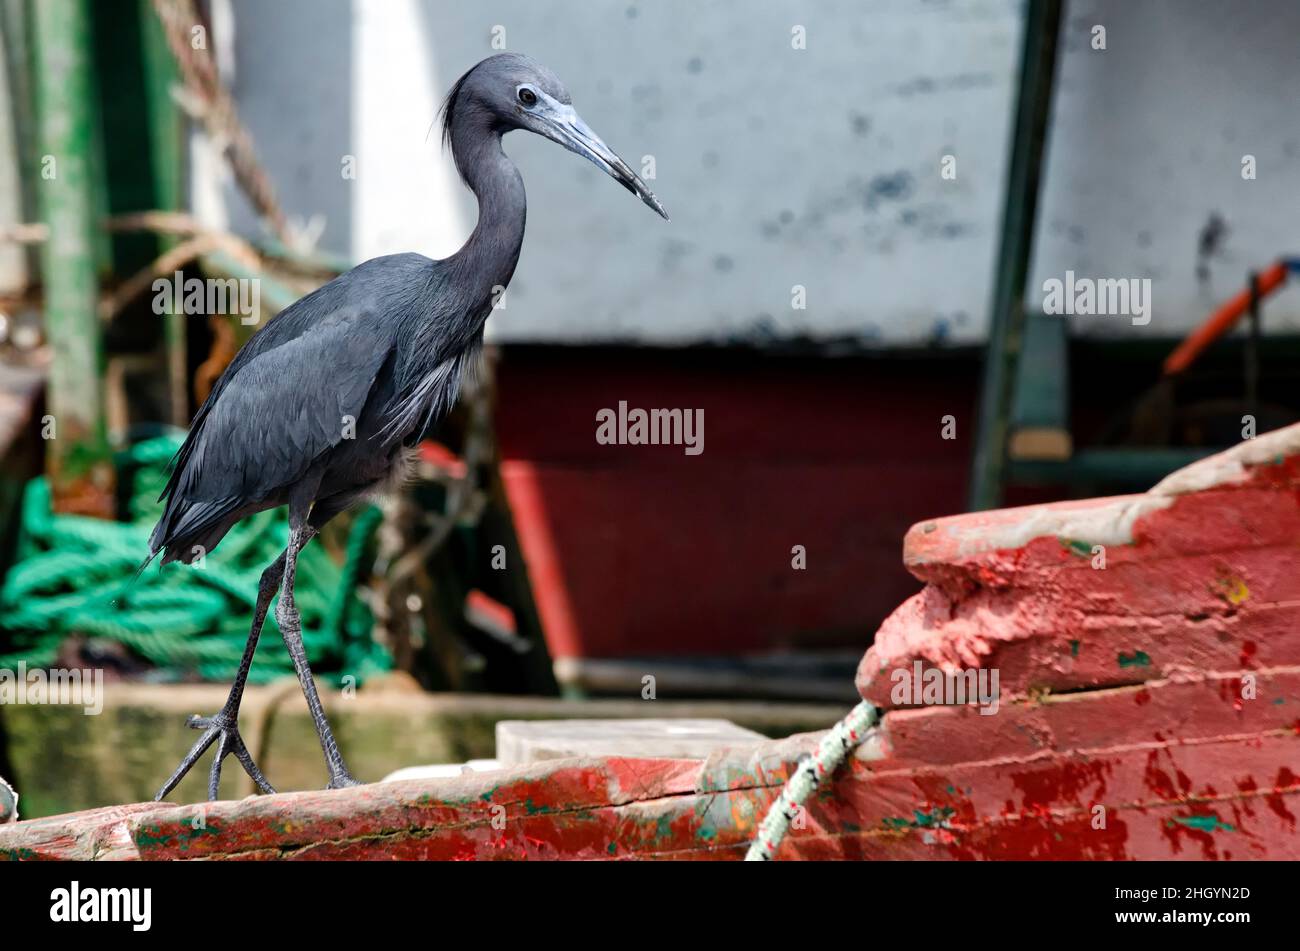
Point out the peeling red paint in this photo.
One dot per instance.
(1285, 780)
(1248, 651)
(1210, 580)
(1169, 761)
(1078, 783)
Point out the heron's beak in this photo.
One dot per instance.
(565, 126)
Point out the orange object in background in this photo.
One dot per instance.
(1222, 320)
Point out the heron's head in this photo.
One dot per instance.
(510, 91)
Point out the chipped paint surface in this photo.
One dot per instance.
(1209, 561)
(1235, 465)
(1079, 525)
(1188, 777)
(1128, 729)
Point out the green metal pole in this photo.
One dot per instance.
(1007, 316)
(166, 146)
(78, 459)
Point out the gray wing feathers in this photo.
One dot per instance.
(286, 398)
(276, 416)
(411, 413)
(282, 411)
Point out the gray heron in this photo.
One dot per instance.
(320, 407)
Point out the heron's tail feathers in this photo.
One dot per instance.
(135, 576)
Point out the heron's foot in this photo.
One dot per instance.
(223, 730)
(342, 780)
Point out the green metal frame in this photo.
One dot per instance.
(78, 457)
(1007, 315)
(166, 148)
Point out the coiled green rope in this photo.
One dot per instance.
(72, 575)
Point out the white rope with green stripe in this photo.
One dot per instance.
(834, 748)
(8, 802)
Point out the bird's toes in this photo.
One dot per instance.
(343, 781)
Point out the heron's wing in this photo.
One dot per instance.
(292, 392)
(290, 324)
(276, 416)
(283, 410)
(377, 284)
(411, 411)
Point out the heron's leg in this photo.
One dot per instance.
(224, 726)
(286, 614)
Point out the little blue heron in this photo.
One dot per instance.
(322, 405)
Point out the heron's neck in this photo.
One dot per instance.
(487, 260)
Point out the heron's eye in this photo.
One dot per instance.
(527, 96)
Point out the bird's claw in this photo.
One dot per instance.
(223, 730)
(343, 781)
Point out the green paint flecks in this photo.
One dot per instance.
(1074, 648)
(923, 820)
(934, 817)
(1203, 823)
(1082, 549)
(180, 833)
(1136, 659)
